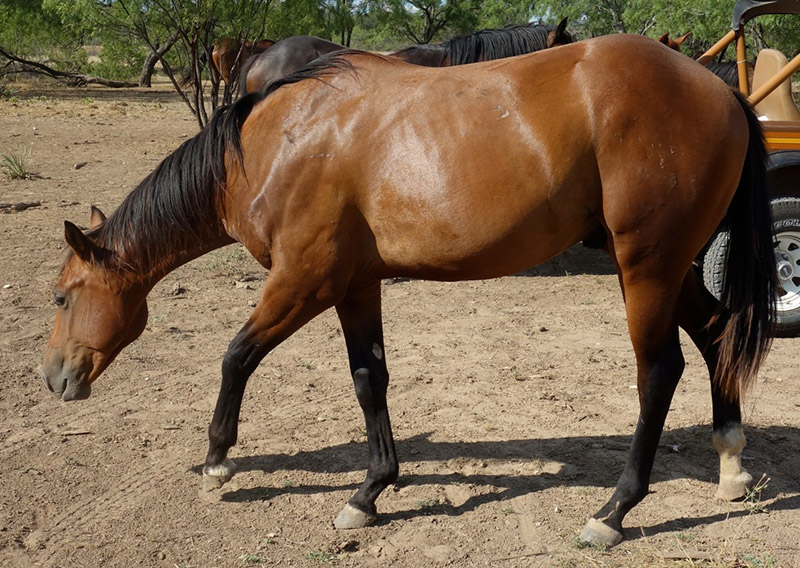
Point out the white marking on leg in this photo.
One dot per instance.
(377, 351)
(733, 478)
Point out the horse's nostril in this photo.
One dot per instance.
(46, 382)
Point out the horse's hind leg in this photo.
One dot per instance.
(650, 301)
(695, 313)
(360, 316)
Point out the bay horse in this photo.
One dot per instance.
(291, 54)
(229, 53)
(362, 167)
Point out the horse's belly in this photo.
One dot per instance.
(483, 247)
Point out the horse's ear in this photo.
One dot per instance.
(557, 36)
(682, 39)
(664, 39)
(96, 218)
(78, 242)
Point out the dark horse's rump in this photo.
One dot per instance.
(292, 54)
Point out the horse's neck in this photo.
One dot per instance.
(151, 258)
(174, 259)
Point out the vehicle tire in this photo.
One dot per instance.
(786, 231)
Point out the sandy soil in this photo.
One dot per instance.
(512, 403)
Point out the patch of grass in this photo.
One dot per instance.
(17, 166)
(252, 559)
(9, 93)
(752, 561)
(507, 510)
(581, 544)
(321, 556)
(227, 261)
(288, 482)
(431, 506)
(752, 500)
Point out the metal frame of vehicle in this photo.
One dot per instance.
(783, 137)
(783, 169)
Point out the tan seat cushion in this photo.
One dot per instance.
(778, 105)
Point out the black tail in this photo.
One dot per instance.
(750, 283)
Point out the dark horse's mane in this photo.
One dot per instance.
(728, 71)
(499, 43)
(170, 208)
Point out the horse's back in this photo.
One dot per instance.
(509, 161)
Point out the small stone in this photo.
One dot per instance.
(556, 509)
(347, 546)
(79, 165)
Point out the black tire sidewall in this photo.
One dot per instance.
(785, 217)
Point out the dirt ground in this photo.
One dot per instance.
(512, 403)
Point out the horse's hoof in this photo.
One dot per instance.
(734, 487)
(216, 476)
(598, 533)
(352, 518)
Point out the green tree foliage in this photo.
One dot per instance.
(180, 34)
(421, 21)
(30, 29)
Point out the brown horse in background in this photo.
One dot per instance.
(229, 53)
(363, 167)
(292, 54)
(674, 43)
(728, 71)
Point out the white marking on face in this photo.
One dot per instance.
(377, 351)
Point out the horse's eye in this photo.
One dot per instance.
(59, 300)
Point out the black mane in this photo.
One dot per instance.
(486, 45)
(172, 206)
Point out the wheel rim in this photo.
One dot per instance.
(787, 260)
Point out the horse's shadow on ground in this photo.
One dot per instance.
(684, 453)
(578, 259)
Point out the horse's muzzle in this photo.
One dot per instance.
(65, 385)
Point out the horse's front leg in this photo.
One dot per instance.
(360, 316)
(281, 311)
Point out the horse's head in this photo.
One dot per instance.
(674, 43)
(559, 35)
(100, 310)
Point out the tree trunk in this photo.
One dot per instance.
(29, 66)
(147, 69)
(152, 58)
